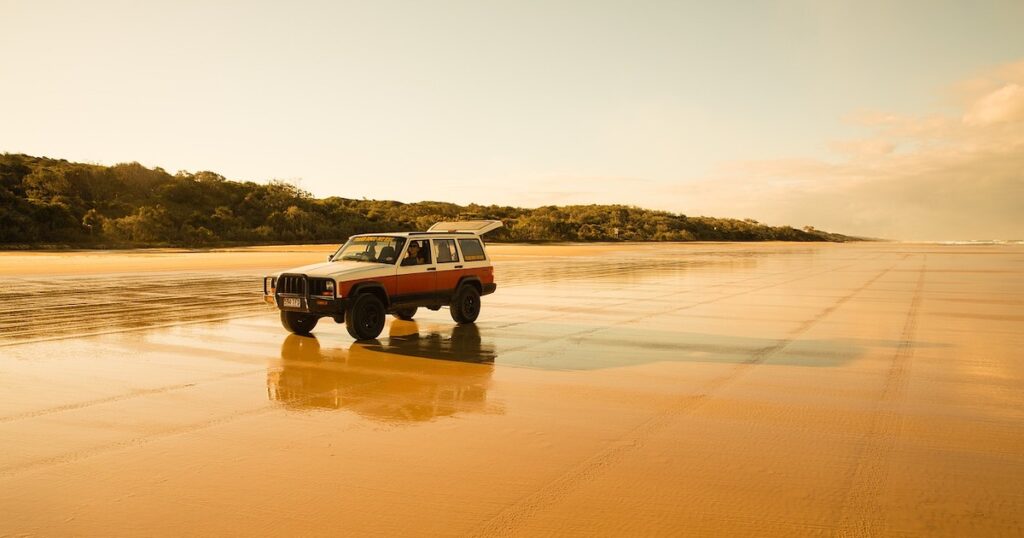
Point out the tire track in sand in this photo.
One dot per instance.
(33, 310)
(859, 515)
(126, 396)
(184, 429)
(508, 520)
(671, 310)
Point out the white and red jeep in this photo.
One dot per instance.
(372, 275)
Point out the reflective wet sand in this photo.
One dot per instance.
(696, 389)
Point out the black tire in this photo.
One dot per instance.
(465, 305)
(405, 314)
(298, 322)
(365, 318)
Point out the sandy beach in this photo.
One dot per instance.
(700, 389)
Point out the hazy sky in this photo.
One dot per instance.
(900, 119)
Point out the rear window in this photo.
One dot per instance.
(472, 250)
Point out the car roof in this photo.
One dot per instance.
(419, 234)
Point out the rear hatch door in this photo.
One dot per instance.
(478, 227)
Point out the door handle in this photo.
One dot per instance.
(458, 267)
(431, 268)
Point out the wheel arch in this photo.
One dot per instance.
(472, 281)
(375, 288)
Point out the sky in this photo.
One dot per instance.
(902, 120)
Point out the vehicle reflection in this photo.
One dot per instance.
(410, 376)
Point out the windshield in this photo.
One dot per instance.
(374, 249)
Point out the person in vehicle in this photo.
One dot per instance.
(414, 255)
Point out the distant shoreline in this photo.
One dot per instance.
(258, 259)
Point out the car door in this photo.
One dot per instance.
(449, 267)
(416, 282)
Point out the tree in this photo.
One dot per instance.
(44, 184)
(150, 225)
(93, 222)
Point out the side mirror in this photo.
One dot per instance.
(330, 257)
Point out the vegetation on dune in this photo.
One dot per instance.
(51, 201)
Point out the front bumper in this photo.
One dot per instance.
(296, 292)
(309, 305)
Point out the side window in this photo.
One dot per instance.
(418, 253)
(446, 251)
(472, 250)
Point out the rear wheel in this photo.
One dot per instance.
(298, 322)
(405, 314)
(465, 305)
(365, 318)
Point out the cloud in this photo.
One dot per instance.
(933, 177)
(858, 149)
(1000, 106)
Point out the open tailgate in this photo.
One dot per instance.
(478, 227)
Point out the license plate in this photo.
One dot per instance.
(291, 302)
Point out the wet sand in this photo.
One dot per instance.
(693, 389)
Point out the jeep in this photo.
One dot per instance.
(373, 275)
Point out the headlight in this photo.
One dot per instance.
(269, 283)
(329, 287)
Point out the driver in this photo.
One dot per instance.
(414, 256)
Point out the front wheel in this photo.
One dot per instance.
(365, 318)
(297, 322)
(465, 305)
